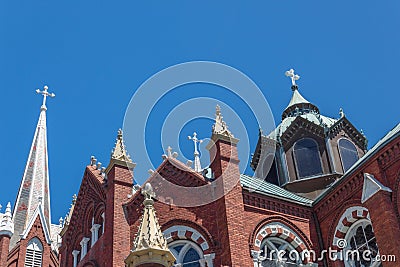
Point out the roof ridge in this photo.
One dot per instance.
(273, 190)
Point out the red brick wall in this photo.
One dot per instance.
(116, 235)
(4, 244)
(49, 257)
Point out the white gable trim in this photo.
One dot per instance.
(371, 187)
(46, 230)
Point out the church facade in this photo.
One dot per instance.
(318, 198)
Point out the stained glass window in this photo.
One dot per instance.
(307, 158)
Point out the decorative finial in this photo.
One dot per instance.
(6, 223)
(197, 164)
(169, 151)
(45, 94)
(220, 126)
(119, 151)
(74, 198)
(341, 113)
(294, 77)
(93, 161)
(148, 192)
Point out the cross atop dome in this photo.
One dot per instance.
(298, 104)
(45, 94)
(294, 77)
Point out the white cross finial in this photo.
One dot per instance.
(169, 150)
(294, 77)
(45, 94)
(197, 164)
(195, 141)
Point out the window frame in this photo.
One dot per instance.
(187, 245)
(39, 251)
(340, 153)
(296, 162)
(351, 233)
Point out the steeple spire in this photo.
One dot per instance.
(197, 164)
(298, 104)
(34, 188)
(150, 245)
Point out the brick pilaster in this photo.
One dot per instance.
(386, 226)
(4, 244)
(120, 182)
(225, 165)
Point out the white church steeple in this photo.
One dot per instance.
(34, 190)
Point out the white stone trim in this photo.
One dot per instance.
(372, 186)
(75, 255)
(95, 233)
(84, 249)
(275, 228)
(342, 228)
(182, 230)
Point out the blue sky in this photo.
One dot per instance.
(95, 54)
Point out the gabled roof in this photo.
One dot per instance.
(262, 187)
(46, 230)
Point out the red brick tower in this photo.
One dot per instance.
(225, 166)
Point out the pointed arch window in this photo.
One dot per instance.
(307, 158)
(348, 153)
(34, 253)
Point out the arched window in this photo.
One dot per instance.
(275, 250)
(348, 153)
(307, 159)
(187, 253)
(360, 237)
(34, 253)
(269, 171)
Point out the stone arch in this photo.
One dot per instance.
(282, 231)
(98, 211)
(179, 232)
(349, 216)
(201, 230)
(294, 230)
(89, 213)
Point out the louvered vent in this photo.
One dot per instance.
(34, 253)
